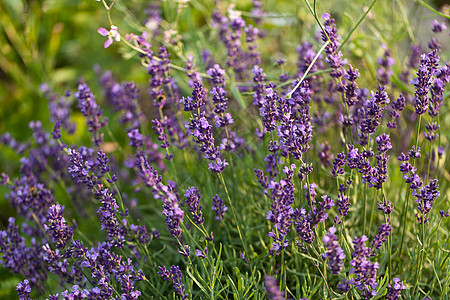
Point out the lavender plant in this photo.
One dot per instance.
(249, 175)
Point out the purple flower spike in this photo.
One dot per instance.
(24, 290)
(174, 275)
(334, 253)
(395, 290)
(383, 232)
(424, 80)
(334, 57)
(365, 271)
(90, 109)
(197, 99)
(219, 208)
(174, 215)
(193, 201)
(57, 227)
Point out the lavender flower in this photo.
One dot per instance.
(242, 256)
(31, 199)
(385, 206)
(172, 211)
(384, 144)
(89, 109)
(9, 141)
(338, 163)
(364, 270)
(174, 275)
(141, 233)
(219, 208)
(218, 91)
(343, 201)
(281, 210)
(268, 109)
(252, 34)
(258, 86)
(333, 55)
(24, 290)
(334, 253)
(396, 107)
(303, 225)
(4, 178)
(136, 139)
(56, 133)
(425, 199)
(372, 111)
(201, 131)
(349, 86)
(60, 109)
(197, 99)
(193, 201)
(384, 72)
(383, 232)
(19, 258)
(185, 250)
(57, 227)
(200, 253)
(424, 80)
(438, 27)
(319, 214)
(395, 290)
(437, 89)
(82, 171)
(272, 288)
(191, 71)
(431, 129)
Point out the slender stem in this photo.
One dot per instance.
(364, 207)
(433, 10)
(289, 95)
(313, 12)
(372, 210)
(154, 287)
(233, 210)
(404, 218)
(418, 132)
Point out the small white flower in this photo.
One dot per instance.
(111, 34)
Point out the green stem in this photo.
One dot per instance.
(233, 210)
(404, 218)
(313, 12)
(289, 95)
(364, 208)
(372, 210)
(433, 10)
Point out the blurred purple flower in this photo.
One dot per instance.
(272, 288)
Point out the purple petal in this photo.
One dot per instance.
(108, 43)
(103, 31)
